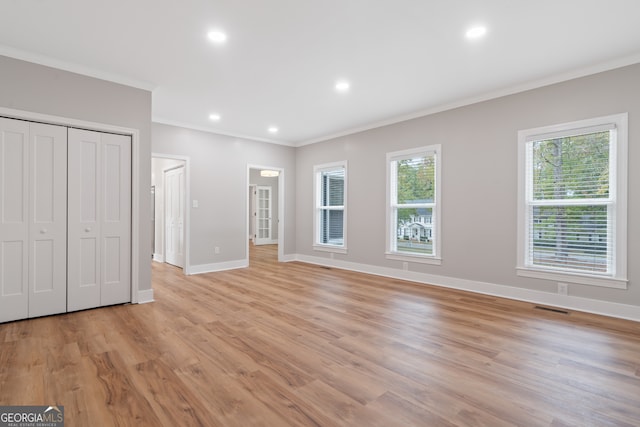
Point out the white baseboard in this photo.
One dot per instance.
(611, 309)
(218, 266)
(145, 296)
(270, 242)
(158, 257)
(289, 258)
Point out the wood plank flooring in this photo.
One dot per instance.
(301, 345)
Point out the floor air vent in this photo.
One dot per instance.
(555, 310)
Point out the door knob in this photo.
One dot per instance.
(43, 230)
(88, 229)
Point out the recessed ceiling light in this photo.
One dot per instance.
(273, 129)
(217, 36)
(215, 117)
(476, 32)
(342, 86)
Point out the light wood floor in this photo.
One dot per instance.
(301, 345)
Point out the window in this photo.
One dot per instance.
(330, 197)
(572, 213)
(413, 200)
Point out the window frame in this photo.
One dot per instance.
(318, 170)
(391, 251)
(618, 176)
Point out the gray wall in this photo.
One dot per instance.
(479, 175)
(36, 88)
(218, 167)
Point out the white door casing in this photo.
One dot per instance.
(174, 184)
(99, 218)
(32, 219)
(263, 221)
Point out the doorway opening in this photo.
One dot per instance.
(170, 219)
(265, 208)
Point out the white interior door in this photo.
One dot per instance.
(253, 215)
(99, 219)
(33, 237)
(263, 223)
(174, 200)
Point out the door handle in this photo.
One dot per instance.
(88, 229)
(43, 231)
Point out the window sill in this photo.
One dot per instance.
(601, 281)
(422, 259)
(329, 248)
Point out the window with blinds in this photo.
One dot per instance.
(413, 217)
(571, 215)
(330, 205)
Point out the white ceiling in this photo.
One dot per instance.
(282, 58)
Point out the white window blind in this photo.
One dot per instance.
(570, 203)
(330, 205)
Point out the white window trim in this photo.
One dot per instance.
(317, 184)
(618, 186)
(436, 258)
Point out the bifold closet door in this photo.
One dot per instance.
(33, 221)
(99, 219)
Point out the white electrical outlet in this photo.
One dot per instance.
(563, 288)
(405, 266)
(216, 250)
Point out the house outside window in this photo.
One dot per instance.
(330, 207)
(572, 207)
(413, 205)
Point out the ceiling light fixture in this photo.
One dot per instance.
(342, 86)
(273, 129)
(217, 36)
(476, 32)
(214, 117)
(269, 173)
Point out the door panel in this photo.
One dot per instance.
(87, 188)
(174, 216)
(43, 275)
(48, 227)
(116, 220)
(88, 273)
(83, 276)
(99, 219)
(14, 223)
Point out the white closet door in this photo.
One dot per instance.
(14, 220)
(33, 235)
(48, 220)
(99, 217)
(174, 216)
(116, 220)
